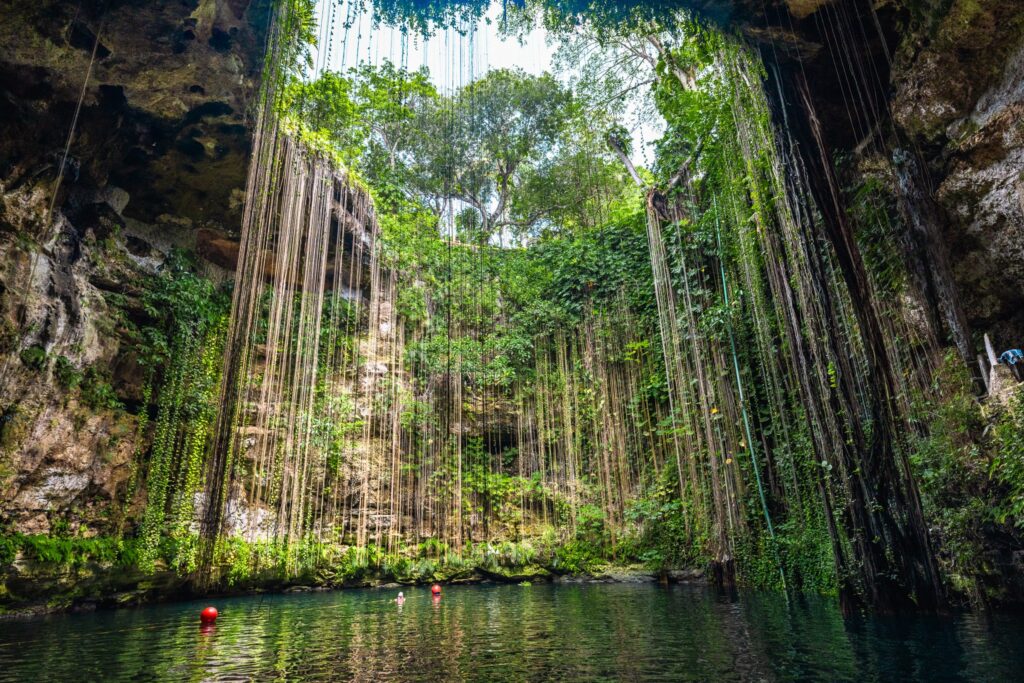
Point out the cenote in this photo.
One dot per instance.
(673, 339)
(592, 632)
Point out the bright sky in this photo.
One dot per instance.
(453, 59)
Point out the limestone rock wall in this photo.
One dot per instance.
(164, 113)
(159, 154)
(60, 458)
(958, 95)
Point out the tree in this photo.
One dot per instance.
(518, 150)
(389, 100)
(486, 142)
(326, 106)
(369, 116)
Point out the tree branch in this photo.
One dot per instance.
(620, 151)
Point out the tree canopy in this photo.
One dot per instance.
(512, 153)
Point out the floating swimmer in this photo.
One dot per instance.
(401, 598)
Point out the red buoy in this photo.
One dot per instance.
(208, 615)
(435, 589)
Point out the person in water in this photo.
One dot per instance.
(401, 598)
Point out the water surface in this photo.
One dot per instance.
(590, 632)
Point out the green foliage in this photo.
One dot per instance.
(183, 351)
(595, 266)
(663, 541)
(297, 34)
(34, 358)
(186, 414)
(432, 547)
(756, 563)
(326, 106)
(241, 562)
(66, 374)
(71, 552)
(525, 158)
(511, 554)
(390, 101)
(178, 299)
(426, 16)
(495, 493)
(591, 527)
(1008, 464)
(955, 468)
(805, 551)
(10, 544)
(97, 391)
(576, 557)
(878, 231)
(511, 146)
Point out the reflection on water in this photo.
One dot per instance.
(512, 633)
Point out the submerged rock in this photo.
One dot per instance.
(516, 574)
(684, 575)
(621, 575)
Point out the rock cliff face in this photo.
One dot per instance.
(163, 119)
(158, 96)
(932, 91)
(958, 93)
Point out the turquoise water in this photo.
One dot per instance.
(588, 632)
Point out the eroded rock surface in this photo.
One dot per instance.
(959, 96)
(159, 94)
(164, 107)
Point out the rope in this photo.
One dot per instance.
(743, 402)
(23, 311)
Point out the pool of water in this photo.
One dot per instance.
(589, 632)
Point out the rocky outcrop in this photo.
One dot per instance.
(56, 453)
(940, 83)
(958, 94)
(165, 89)
(158, 96)
(983, 193)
